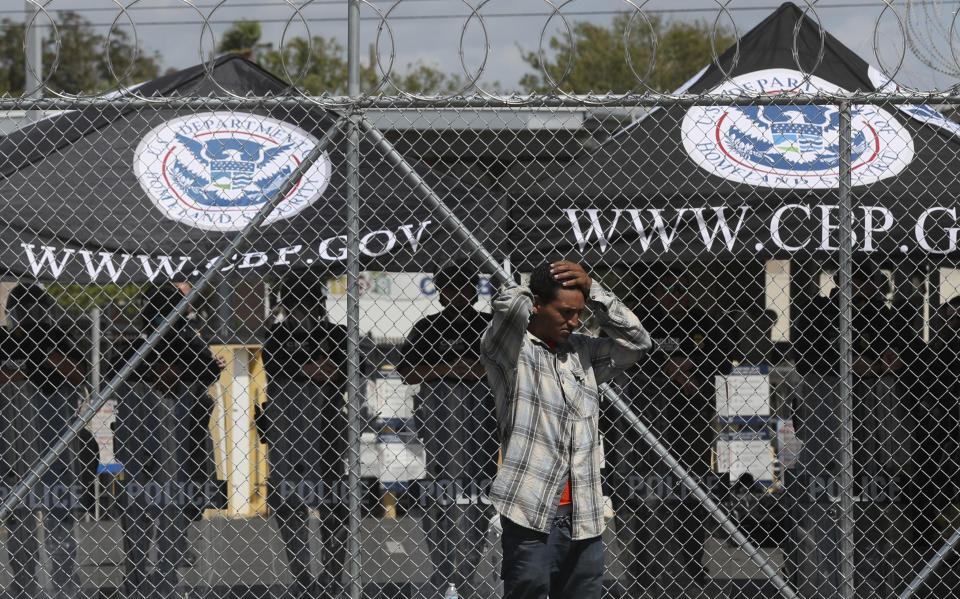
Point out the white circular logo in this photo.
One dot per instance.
(215, 170)
(793, 147)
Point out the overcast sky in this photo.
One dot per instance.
(431, 30)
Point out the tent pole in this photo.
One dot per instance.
(354, 359)
(846, 521)
(44, 463)
(467, 238)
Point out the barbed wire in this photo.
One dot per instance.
(476, 102)
(926, 31)
(925, 35)
(338, 3)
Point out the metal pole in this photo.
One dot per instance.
(32, 55)
(487, 261)
(33, 51)
(96, 334)
(38, 469)
(354, 359)
(846, 520)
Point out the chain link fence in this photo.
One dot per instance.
(243, 350)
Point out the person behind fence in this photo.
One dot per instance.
(46, 369)
(455, 420)
(194, 415)
(304, 425)
(882, 438)
(937, 457)
(149, 441)
(545, 378)
(662, 527)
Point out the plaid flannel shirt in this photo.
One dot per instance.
(547, 406)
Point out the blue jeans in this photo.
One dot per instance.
(537, 565)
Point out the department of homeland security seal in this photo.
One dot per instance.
(215, 170)
(793, 147)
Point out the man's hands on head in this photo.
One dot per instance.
(571, 275)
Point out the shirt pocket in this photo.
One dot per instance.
(580, 394)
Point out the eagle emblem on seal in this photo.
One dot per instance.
(795, 138)
(229, 172)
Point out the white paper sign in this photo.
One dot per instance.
(392, 458)
(389, 397)
(401, 460)
(743, 396)
(102, 429)
(746, 452)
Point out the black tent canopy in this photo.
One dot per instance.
(715, 182)
(129, 195)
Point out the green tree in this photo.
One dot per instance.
(78, 299)
(597, 56)
(316, 66)
(421, 78)
(243, 37)
(320, 65)
(80, 63)
(12, 73)
(127, 62)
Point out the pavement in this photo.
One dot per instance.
(244, 558)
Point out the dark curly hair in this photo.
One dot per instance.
(544, 285)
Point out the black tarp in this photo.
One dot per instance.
(126, 195)
(740, 182)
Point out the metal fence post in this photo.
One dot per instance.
(33, 55)
(355, 585)
(846, 520)
(96, 338)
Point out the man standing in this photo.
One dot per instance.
(304, 424)
(881, 430)
(454, 413)
(41, 356)
(149, 441)
(546, 381)
(934, 389)
(673, 391)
